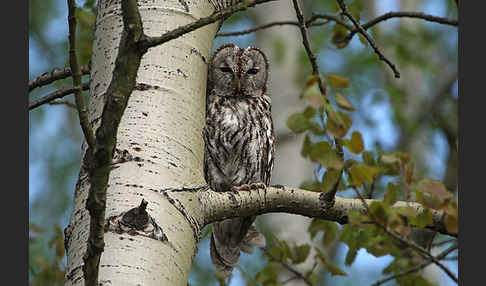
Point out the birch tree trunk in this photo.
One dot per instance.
(161, 130)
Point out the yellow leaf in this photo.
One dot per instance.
(313, 96)
(452, 223)
(343, 102)
(338, 81)
(356, 144)
(338, 123)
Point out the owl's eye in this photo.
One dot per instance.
(225, 69)
(252, 71)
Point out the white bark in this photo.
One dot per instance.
(161, 129)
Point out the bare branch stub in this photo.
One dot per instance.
(136, 221)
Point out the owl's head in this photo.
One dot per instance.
(238, 72)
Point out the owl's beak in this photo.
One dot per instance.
(238, 86)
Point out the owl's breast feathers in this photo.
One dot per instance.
(239, 141)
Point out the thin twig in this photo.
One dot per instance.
(55, 95)
(362, 31)
(307, 46)
(420, 250)
(289, 268)
(76, 75)
(329, 196)
(56, 74)
(261, 27)
(405, 14)
(443, 242)
(417, 267)
(329, 17)
(64, 102)
(311, 22)
(148, 42)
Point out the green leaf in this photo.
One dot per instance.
(298, 123)
(301, 253)
(338, 123)
(309, 112)
(330, 233)
(313, 186)
(360, 173)
(323, 153)
(339, 36)
(330, 179)
(350, 256)
(363, 40)
(306, 146)
(355, 9)
(368, 158)
(335, 270)
(391, 194)
(343, 102)
(452, 223)
(85, 19)
(315, 226)
(356, 144)
(431, 193)
(277, 252)
(313, 96)
(422, 219)
(331, 267)
(337, 81)
(379, 211)
(268, 275)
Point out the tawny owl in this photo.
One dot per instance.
(239, 143)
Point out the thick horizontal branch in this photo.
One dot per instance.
(56, 74)
(210, 206)
(55, 95)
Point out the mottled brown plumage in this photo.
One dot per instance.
(239, 142)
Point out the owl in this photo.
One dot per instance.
(239, 143)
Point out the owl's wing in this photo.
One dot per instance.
(268, 149)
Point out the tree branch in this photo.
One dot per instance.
(76, 75)
(208, 206)
(99, 158)
(420, 250)
(149, 42)
(362, 31)
(261, 27)
(56, 74)
(297, 274)
(64, 102)
(329, 196)
(307, 46)
(418, 267)
(329, 17)
(55, 95)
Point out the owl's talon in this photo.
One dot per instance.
(244, 187)
(256, 186)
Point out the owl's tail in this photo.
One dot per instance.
(231, 236)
